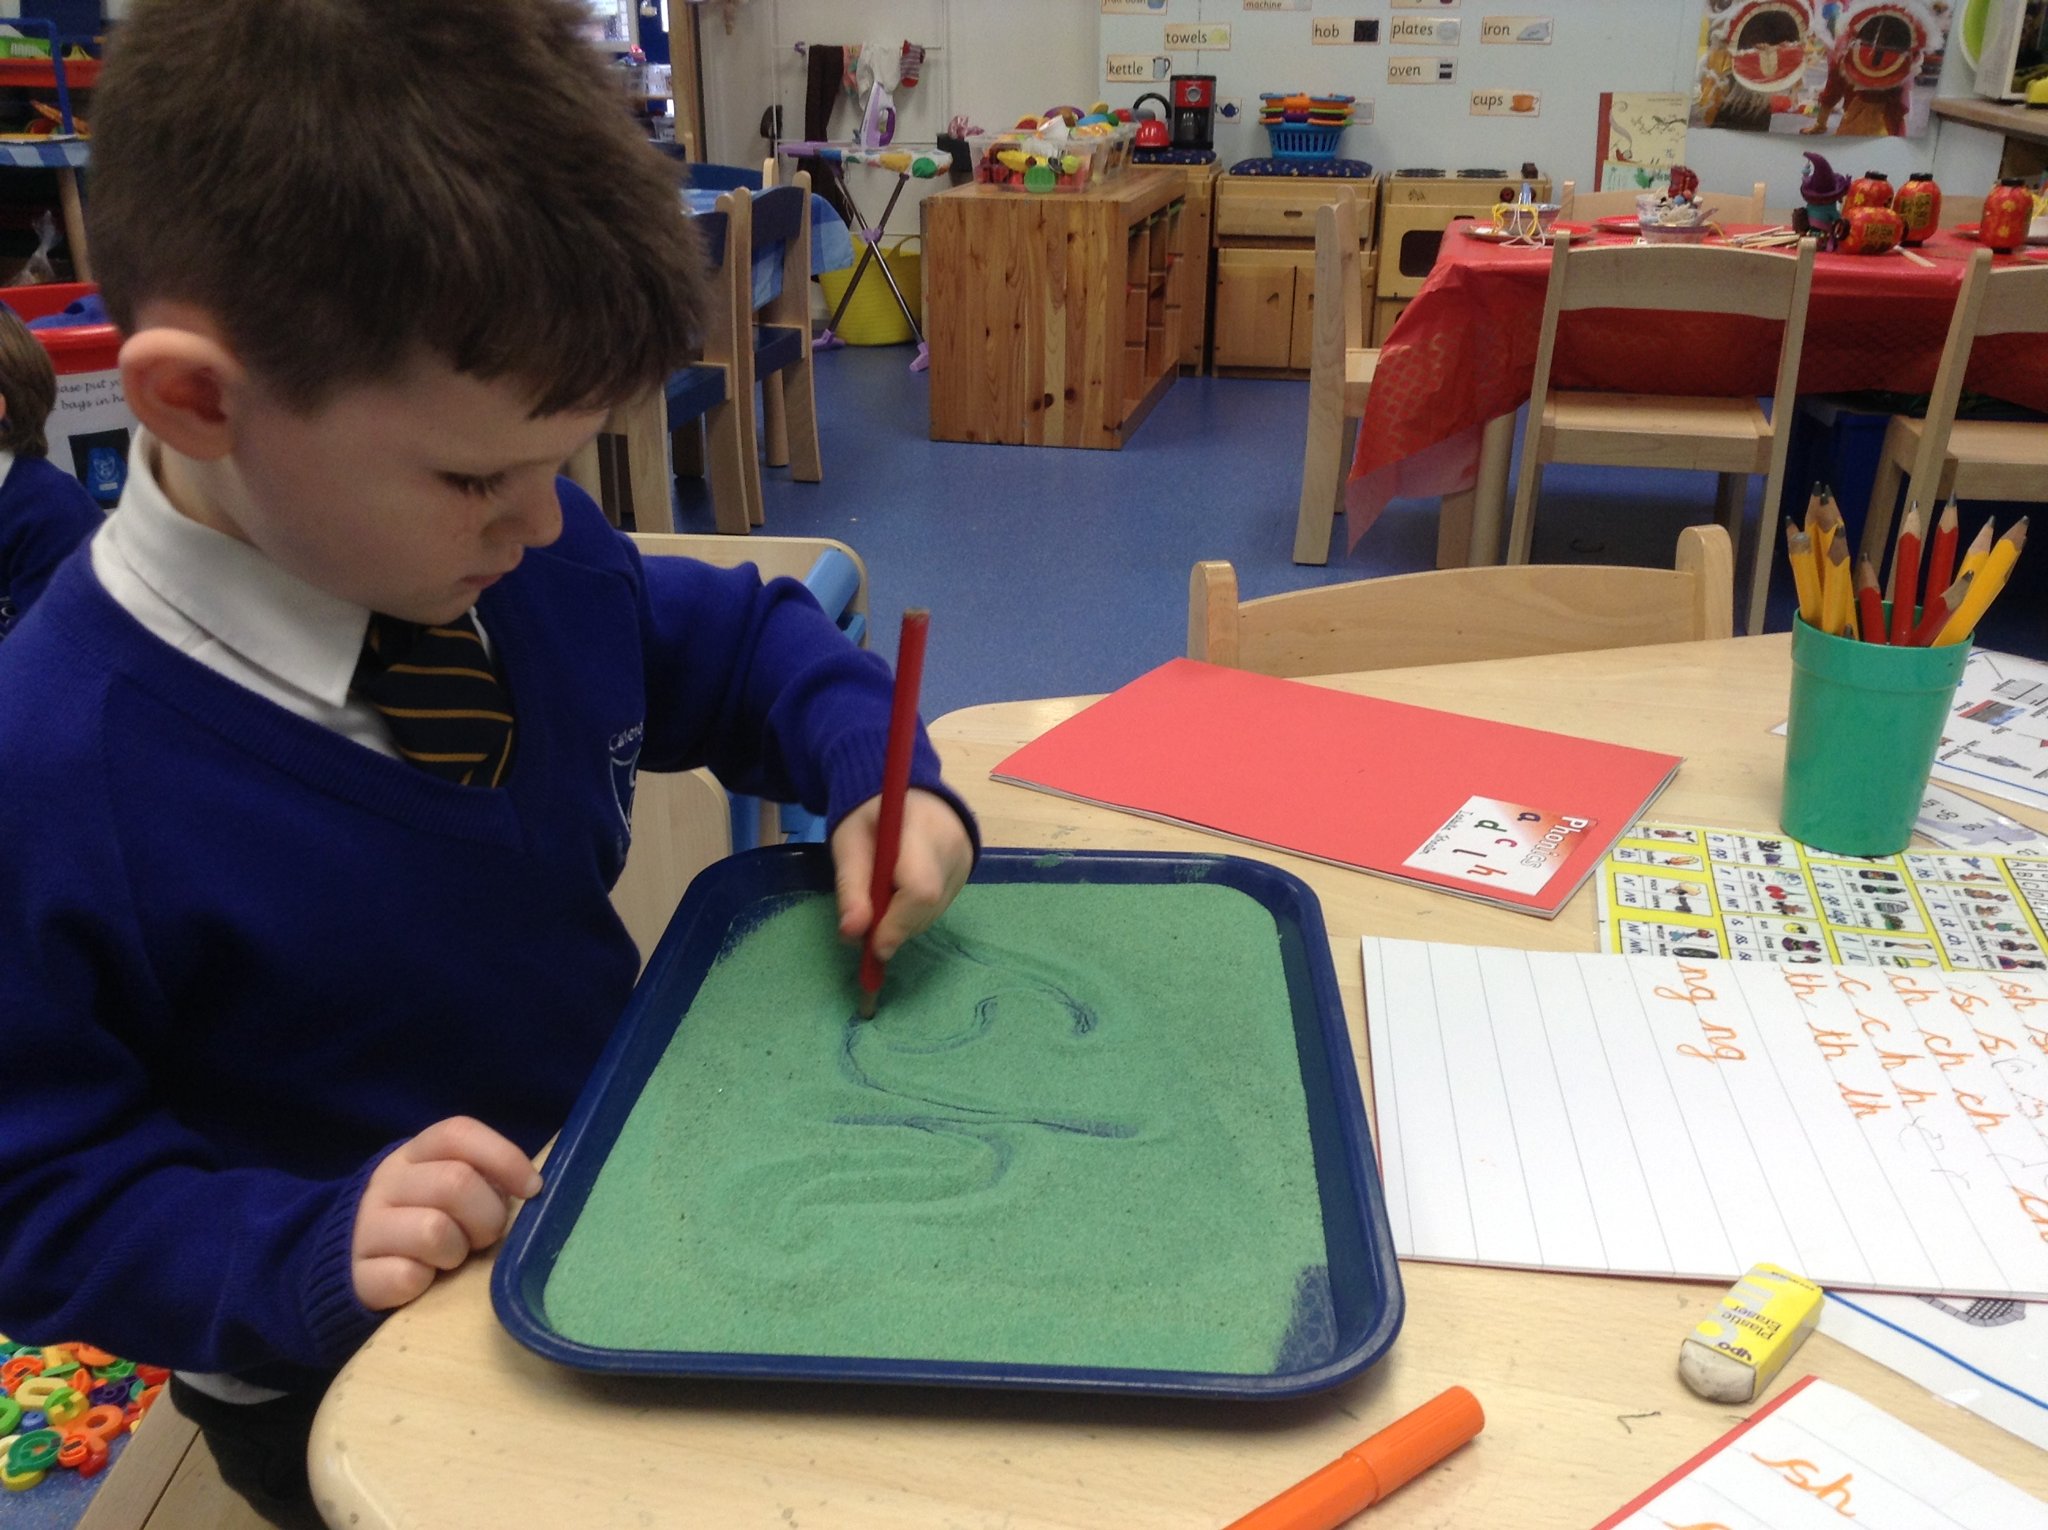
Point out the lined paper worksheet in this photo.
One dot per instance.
(1872, 1129)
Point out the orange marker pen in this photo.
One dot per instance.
(1366, 1473)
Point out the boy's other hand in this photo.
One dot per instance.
(436, 1197)
(932, 863)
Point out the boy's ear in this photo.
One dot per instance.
(182, 384)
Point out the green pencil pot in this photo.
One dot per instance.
(1861, 737)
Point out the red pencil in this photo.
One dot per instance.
(1941, 554)
(1939, 609)
(1869, 605)
(895, 786)
(1906, 577)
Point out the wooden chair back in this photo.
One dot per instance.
(1728, 206)
(1449, 616)
(1699, 278)
(682, 821)
(783, 214)
(1340, 372)
(2009, 302)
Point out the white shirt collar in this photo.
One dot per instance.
(274, 620)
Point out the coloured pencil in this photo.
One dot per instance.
(1941, 551)
(1829, 522)
(1869, 605)
(1938, 610)
(1805, 575)
(1989, 581)
(1906, 576)
(1837, 598)
(1978, 550)
(895, 787)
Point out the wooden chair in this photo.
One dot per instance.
(1727, 436)
(684, 821)
(630, 468)
(1585, 206)
(1340, 371)
(1451, 615)
(782, 334)
(1972, 459)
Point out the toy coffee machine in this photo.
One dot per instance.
(1194, 110)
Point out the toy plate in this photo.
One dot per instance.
(1486, 233)
(1318, 1323)
(2034, 236)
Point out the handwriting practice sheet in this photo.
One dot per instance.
(1872, 1128)
(1822, 1457)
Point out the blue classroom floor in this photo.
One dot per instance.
(1051, 572)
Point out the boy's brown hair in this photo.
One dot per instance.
(29, 383)
(338, 183)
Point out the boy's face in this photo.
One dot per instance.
(410, 496)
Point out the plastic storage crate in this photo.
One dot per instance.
(1298, 140)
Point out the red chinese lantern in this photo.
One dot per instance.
(2007, 212)
(1870, 231)
(1873, 188)
(1919, 204)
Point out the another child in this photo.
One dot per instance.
(44, 512)
(319, 770)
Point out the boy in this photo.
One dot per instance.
(44, 512)
(298, 964)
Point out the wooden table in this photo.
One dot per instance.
(443, 1420)
(1440, 418)
(1054, 317)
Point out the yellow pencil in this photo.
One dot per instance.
(1837, 593)
(1805, 577)
(1978, 550)
(1829, 522)
(1984, 589)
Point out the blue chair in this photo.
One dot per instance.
(782, 332)
(705, 177)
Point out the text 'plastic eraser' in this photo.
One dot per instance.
(1732, 1354)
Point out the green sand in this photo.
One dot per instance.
(1074, 1135)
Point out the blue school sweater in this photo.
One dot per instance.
(242, 957)
(44, 514)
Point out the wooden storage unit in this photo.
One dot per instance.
(1265, 267)
(1054, 318)
(1192, 275)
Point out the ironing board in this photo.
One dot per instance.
(922, 162)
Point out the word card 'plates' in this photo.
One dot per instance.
(1103, 1134)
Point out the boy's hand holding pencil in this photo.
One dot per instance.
(1947, 610)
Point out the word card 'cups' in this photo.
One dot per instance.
(1864, 727)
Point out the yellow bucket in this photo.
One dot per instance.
(873, 318)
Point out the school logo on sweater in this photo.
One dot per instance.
(625, 754)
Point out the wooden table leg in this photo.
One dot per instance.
(1454, 531)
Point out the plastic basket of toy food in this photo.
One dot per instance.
(1023, 162)
(1292, 141)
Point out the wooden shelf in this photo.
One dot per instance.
(2029, 123)
(41, 74)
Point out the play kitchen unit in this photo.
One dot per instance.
(1266, 267)
(1416, 208)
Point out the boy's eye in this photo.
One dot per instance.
(471, 484)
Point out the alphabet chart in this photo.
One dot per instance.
(1682, 890)
(1872, 1128)
(1818, 1456)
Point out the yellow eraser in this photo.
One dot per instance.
(1732, 1354)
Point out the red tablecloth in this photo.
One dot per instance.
(1465, 352)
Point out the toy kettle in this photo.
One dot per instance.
(2008, 210)
(1152, 131)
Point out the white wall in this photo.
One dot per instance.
(996, 60)
(1002, 58)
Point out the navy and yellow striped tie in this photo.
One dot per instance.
(446, 708)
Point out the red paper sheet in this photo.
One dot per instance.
(1289, 765)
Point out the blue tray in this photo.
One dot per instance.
(1364, 1283)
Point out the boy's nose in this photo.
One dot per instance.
(535, 518)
